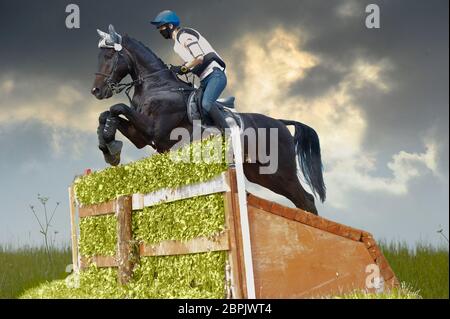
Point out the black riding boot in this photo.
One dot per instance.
(218, 118)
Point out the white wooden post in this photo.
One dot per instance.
(73, 230)
(242, 196)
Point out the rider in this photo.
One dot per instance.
(200, 58)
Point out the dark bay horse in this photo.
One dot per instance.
(158, 106)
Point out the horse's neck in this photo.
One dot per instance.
(143, 70)
(147, 65)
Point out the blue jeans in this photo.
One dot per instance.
(213, 85)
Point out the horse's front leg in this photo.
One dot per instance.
(137, 129)
(112, 159)
(112, 124)
(130, 132)
(140, 121)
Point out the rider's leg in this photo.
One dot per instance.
(214, 84)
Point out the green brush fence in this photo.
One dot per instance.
(172, 275)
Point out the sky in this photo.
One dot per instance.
(378, 99)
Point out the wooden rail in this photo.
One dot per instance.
(181, 247)
(220, 242)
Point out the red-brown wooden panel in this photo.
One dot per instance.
(293, 260)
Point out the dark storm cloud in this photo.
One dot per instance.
(319, 80)
(36, 37)
(413, 38)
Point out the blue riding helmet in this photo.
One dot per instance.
(166, 17)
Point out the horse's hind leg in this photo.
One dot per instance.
(299, 196)
(285, 182)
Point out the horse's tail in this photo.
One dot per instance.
(307, 146)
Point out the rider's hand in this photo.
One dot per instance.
(179, 69)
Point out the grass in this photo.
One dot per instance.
(402, 292)
(423, 270)
(27, 267)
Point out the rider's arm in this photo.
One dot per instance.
(191, 43)
(195, 62)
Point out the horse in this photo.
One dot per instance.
(158, 106)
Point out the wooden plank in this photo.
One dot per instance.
(295, 260)
(73, 230)
(233, 254)
(166, 195)
(239, 240)
(193, 246)
(243, 212)
(97, 209)
(125, 251)
(98, 261)
(305, 217)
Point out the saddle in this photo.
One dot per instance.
(196, 112)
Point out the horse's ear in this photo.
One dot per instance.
(102, 34)
(111, 30)
(114, 35)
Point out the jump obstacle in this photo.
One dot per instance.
(272, 251)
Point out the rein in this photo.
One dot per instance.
(117, 88)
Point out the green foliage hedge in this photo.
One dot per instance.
(150, 174)
(180, 220)
(98, 236)
(185, 276)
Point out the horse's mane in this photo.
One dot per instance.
(145, 52)
(146, 55)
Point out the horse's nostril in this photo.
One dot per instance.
(95, 91)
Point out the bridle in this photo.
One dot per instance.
(117, 88)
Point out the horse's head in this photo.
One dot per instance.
(113, 64)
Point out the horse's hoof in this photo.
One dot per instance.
(115, 147)
(112, 160)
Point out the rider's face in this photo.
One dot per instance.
(166, 30)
